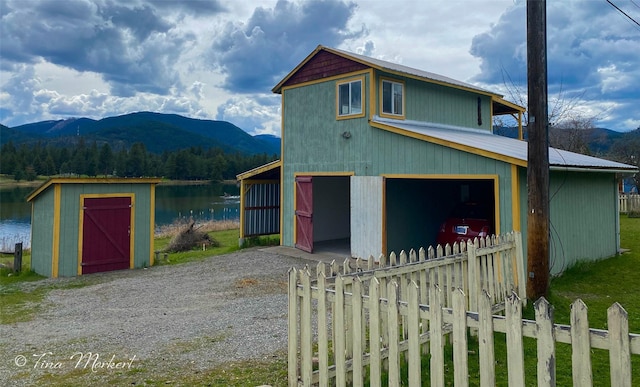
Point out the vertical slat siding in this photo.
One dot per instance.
(262, 209)
(583, 216)
(366, 216)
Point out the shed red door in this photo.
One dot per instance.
(304, 213)
(106, 234)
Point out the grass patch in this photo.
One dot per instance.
(228, 240)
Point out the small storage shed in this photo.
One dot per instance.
(89, 225)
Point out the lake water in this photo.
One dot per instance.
(173, 202)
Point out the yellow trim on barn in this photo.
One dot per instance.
(515, 198)
(90, 180)
(55, 254)
(383, 79)
(360, 78)
(152, 224)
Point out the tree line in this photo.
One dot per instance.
(27, 162)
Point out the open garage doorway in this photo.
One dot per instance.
(323, 214)
(416, 207)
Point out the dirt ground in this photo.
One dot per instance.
(152, 326)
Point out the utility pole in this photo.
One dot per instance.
(538, 152)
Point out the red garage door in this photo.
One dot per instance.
(106, 234)
(304, 213)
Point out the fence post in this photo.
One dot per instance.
(520, 265)
(580, 345)
(460, 347)
(474, 274)
(356, 326)
(293, 329)
(306, 338)
(413, 327)
(546, 343)
(435, 333)
(339, 345)
(515, 349)
(374, 332)
(619, 353)
(323, 339)
(17, 258)
(486, 341)
(394, 351)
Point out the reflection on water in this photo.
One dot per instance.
(173, 202)
(200, 202)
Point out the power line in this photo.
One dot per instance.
(634, 3)
(623, 12)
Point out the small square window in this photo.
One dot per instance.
(392, 98)
(350, 98)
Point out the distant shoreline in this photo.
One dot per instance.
(9, 183)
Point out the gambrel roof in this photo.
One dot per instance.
(494, 146)
(320, 60)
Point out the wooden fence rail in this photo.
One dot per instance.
(457, 321)
(629, 203)
(349, 310)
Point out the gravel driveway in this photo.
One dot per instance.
(191, 317)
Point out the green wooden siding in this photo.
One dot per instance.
(444, 105)
(583, 212)
(42, 247)
(583, 217)
(42, 233)
(313, 143)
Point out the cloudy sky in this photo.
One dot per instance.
(219, 59)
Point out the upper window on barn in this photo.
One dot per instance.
(349, 98)
(392, 99)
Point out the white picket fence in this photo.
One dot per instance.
(629, 202)
(347, 311)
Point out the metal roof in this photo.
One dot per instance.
(394, 67)
(499, 147)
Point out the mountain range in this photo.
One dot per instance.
(168, 132)
(158, 132)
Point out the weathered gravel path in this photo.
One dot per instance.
(193, 316)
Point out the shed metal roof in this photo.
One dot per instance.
(89, 180)
(498, 147)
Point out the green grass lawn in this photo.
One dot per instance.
(599, 285)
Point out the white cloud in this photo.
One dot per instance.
(207, 59)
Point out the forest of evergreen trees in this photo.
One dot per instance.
(27, 162)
